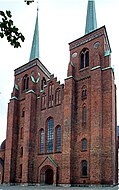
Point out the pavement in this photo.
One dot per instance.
(21, 187)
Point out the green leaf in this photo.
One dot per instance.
(8, 29)
(1, 35)
(2, 13)
(8, 14)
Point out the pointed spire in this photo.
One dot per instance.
(35, 43)
(91, 22)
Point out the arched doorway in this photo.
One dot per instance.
(49, 176)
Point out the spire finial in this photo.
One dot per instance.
(91, 22)
(37, 6)
(35, 43)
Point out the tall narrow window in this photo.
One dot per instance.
(50, 135)
(87, 59)
(84, 168)
(58, 138)
(23, 112)
(58, 96)
(21, 152)
(21, 133)
(82, 61)
(25, 82)
(43, 101)
(51, 92)
(43, 83)
(84, 58)
(84, 92)
(42, 141)
(84, 115)
(20, 171)
(84, 144)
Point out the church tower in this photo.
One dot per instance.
(89, 108)
(21, 128)
(64, 133)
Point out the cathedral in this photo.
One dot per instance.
(64, 134)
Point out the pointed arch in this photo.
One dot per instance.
(58, 138)
(84, 58)
(50, 135)
(25, 82)
(84, 92)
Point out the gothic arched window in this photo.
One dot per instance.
(42, 141)
(58, 138)
(84, 167)
(21, 152)
(58, 97)
(50, 94)
(21, 135)
(50, 135)
(25, 82)
(84, 115)
(84, 92)
(20, 170)
(84, 58)
(43, 83)
(84, 144)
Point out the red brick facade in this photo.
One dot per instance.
(84, 109)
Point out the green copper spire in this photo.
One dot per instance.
(35, 43)
(91, 22)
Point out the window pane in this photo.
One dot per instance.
(84, 144)
(87, 59)
(25, 82)
(84, 168)
(58, 139)
(50, 135)
(82, 61)
(84, 114)
(42, 141)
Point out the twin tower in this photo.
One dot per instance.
(64, 134)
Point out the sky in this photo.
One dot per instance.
(60, 22)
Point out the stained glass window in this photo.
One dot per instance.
(50, 135)
(42, 141)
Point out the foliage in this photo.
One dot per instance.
(29, 1)
(8, 29)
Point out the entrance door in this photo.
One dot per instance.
(49, 176)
